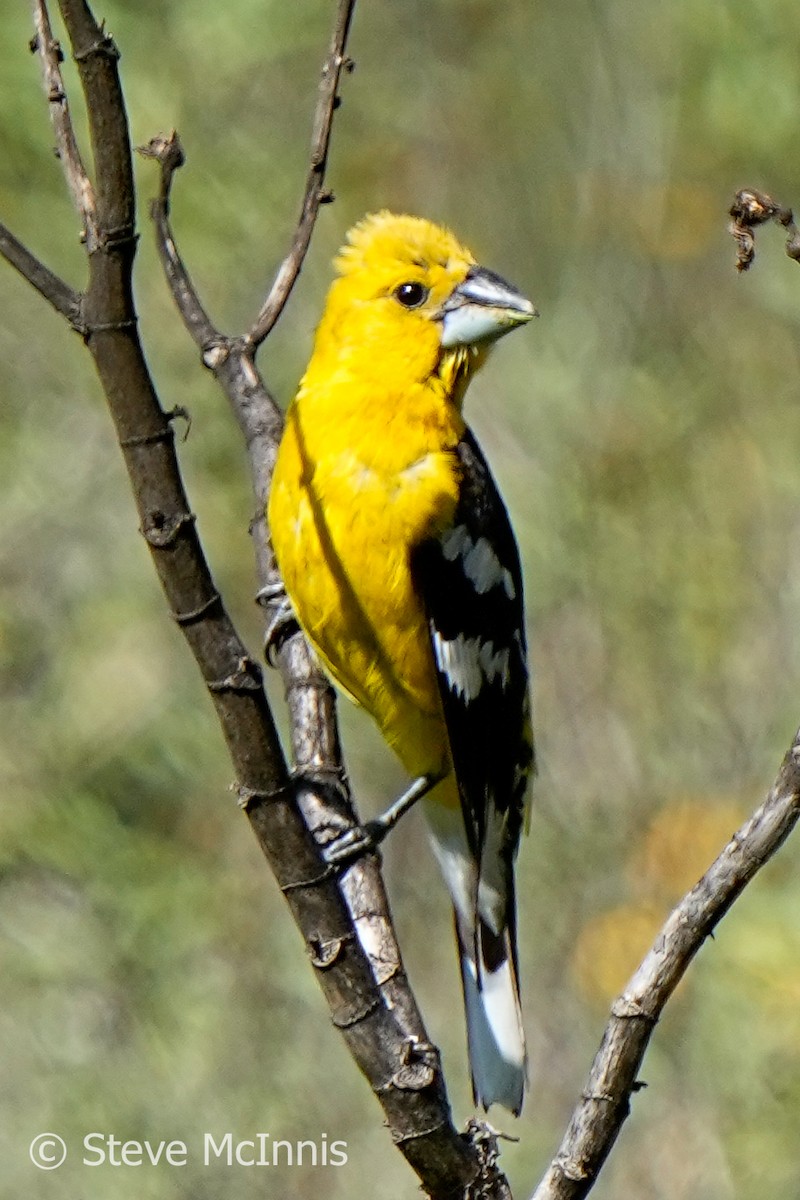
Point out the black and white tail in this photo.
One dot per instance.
(494, 1019)
(485, 931)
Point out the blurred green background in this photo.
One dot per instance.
(646, 436)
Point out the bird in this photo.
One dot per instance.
(401, 567)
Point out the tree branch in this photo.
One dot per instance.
(315, 193)
(604, 1105)
(167, 151)
(49, 285)
(77, 180)
(402, 1068)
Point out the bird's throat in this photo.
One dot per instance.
(456, 367)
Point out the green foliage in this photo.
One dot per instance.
(645, 434)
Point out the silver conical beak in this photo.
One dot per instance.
(481, 309)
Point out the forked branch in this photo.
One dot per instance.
(373, 1008)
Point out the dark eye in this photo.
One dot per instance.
(411, 295)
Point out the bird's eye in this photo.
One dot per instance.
(411, 295)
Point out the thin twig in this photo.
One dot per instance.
(49, 285)
(78, 181)
(167, 151)
(599, 1116)
(752, 208)
(315, 193)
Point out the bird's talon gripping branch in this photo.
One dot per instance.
(281, 623)
(350, 846)
(366, 838)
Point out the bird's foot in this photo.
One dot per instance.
(366, 838)
(281, 621)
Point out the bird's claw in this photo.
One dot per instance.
(366, 838)
(281, 623)
(355, 843)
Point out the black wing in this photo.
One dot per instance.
(471, 583)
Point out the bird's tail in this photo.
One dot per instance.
(494, 1018)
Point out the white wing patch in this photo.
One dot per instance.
(481, 565)
(468, 663)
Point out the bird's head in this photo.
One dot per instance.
(407, 285)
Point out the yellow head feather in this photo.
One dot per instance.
(384, 237)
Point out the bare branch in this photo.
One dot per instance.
(315, 193)
(114, 203)
(58, 293)
(167, 150)
(598, 1117)
(752, 208)
(78, 181)
(402, 1069)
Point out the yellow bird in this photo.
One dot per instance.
(402, 569)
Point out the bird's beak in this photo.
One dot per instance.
(482, 308)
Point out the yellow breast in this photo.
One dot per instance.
(344, 514)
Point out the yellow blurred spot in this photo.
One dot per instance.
(667, 220)
(679, 846)
(610, 947)
(676, 220)
(675, 850)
